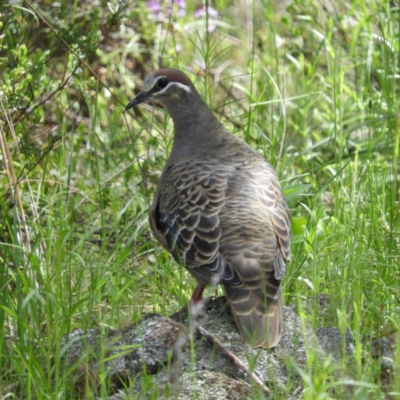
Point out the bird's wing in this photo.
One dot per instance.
(185, 218)
(256, 205)
(256, 243)
(271, 195)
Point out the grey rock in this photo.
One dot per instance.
(156, 357)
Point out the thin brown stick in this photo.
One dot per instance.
(236, 360)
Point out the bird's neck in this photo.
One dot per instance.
(195, 127)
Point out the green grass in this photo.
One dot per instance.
(315, 90)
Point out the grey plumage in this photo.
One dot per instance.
(220, 211)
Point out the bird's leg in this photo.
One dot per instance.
(197, 294)
(197, 305)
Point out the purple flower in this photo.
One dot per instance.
(154, 6)
(157, 6)
(212, 14)
(181, 4)
(182, 7)
(201, 12)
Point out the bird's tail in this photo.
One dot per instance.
(258, 312)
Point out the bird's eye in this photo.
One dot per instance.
(162, 83)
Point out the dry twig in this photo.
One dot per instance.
(236, 360)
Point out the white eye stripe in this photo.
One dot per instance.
(178, 84)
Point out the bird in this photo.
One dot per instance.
(219, 210)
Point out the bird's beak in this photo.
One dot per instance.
(140, 98)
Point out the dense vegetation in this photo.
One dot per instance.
(313, 85)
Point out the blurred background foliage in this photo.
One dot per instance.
(313, 85)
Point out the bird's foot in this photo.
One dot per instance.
(196, 306)
(198, 309)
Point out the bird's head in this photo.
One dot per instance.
(165, 86)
